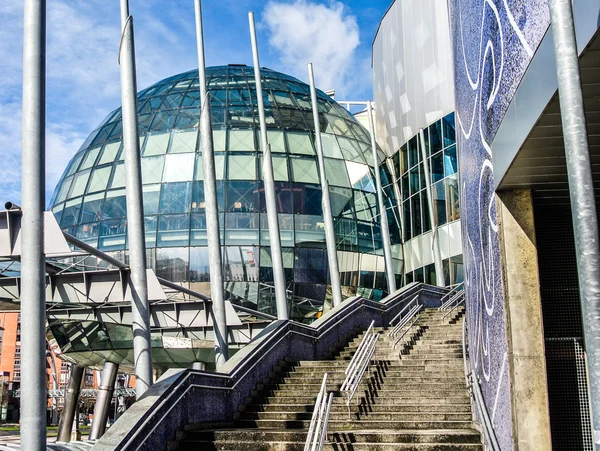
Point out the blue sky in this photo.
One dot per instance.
(83, 74)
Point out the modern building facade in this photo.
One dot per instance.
(89, 201)
(414, 91)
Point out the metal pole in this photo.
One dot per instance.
(103, 400)
(33, 293)
(54, 418)
(212, 206)
(71, 402)
(334, 271)
(142, 350)
(385, 230)
(581, 189)
(440, 280)
(269, 183)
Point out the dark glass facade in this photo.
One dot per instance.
(89, 201)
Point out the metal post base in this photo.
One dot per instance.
(105, 394)
(71, 400)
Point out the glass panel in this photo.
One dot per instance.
(307, 199)
(283, 197)
(439, 202)
(351, 149)
(175, 198)
(70, 214)
(241, 264)
(184, 142)
(99, 179)
(75, 163)
(199, 264)
(199, 173)
(64, 189)
(90, 158)
(452, 198)
(110, 153)
(286, 229)
(336, 173)
(311, 266)
(407, 221)
(89, 233)
(79, 183)
(150, 225)
(415, 181)
(242, 196)
(415, 206)
(115, 205)
(241, 140)
(151, 195)
(220, 166)
(172, 263)
(437, 167)
(304, 170)
(198, 202)
(341, 202)
(152, 169)
(365, 206)
(403, 159)
(179, 168)
(118, 179)
(414, 153)
(277, 140)
(219, 137)
(396, 163)
(241, 228)
(346, 235)
(198, 235)
(310, 229)
(435, 136)
(173, 230)
(300, 143)
(242, 167)
(450, 162)
(280, 168)
(425, 212)
(156, 144)
(112, 234)
(330, 146)
(449, 131)
(92, 208)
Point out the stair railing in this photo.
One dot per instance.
(359, 364)
(317, 431)
(476, 395)
(457, 301)
(413, 314)
(445, 300)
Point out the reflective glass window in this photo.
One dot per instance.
(450, 161)
(341, 202)
(404, 187)
(109, 154)
(89, 233)
(179, 168)
(311, 266)
(156, 144)
(300, 143)
(304, 170)
(118, 178)
(220, 166)
(425, 213)
(99, 180)
(365, 205)
(403, 159)
(309, 230)
(70, 213)
(449, 130)
(242, 167)
(175, 198)
(173, 230)
(435, 136)
(439, 202)
(452, 198)
(199, 264)
(90, 158)
(242, 140)
(330, 146)
(151, 195)
(115, 205)
(152, 169)
(79, 183)
(415, 206)
(335, 171)
(351, 149)
(184, 141)
(280, 168)
(198, 201)
(199, 172)
(286, 229)
(307, 199)
(437, 167)
(113, 234)
(92, 208)
(415, 180)
(396, 163)
(172, 263)
(242, 196)
(276, 140)
(283, 197)
(150, 225)
(407, 221)
(75, 163)
(241, 228)
(346, 235)
(414, 153)
(219, 137)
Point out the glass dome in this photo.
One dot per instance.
(89, 200)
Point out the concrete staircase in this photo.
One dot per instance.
(416, 402)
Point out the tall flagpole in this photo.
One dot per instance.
(212, 207)
(269, 183)
(140, 309)
(385, 230)
(334, 271)
(33, 293)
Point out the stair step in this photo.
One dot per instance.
(345, 424)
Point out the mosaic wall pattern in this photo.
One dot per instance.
(494, 41)
(89, 200)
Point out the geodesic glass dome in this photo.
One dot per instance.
(89, 200)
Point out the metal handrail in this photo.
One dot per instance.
(459, 300)
(450, 301)
(404, 321)
(453, 289)
(317, 431)
(476, 395)
(416, 314)
(412, 301)
(359, 364)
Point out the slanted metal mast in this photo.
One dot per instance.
(140, 308)
(210, 198)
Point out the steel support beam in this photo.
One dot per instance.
(581, 189)
(33, 293)
(385, 229)
(334, 270)
(103, 400)
(142, 349)
(71, 401)
(269, 184)
(210, 198)
(440, 280)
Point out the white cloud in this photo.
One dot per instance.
(303, 32)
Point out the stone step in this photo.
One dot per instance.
(370, 416)
(386, 377)
(339, 407)
(349, 425)
(359, 399)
